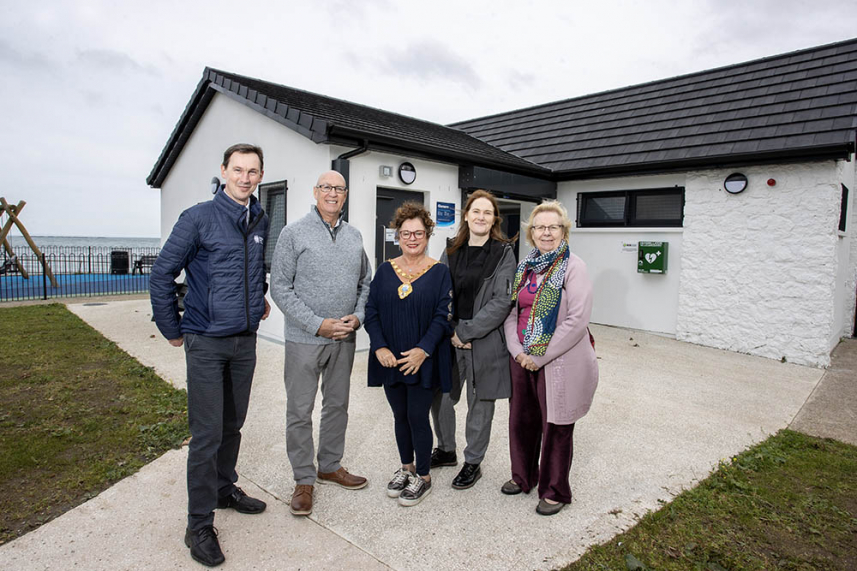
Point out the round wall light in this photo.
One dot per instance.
(407, 173)
(735, 183)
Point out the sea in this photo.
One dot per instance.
(99, 242)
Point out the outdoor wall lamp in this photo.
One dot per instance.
(735, 183)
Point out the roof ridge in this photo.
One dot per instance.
(337, 99)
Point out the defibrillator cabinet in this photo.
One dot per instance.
(652, 257)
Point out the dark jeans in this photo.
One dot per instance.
(532, 437)
(219, 376)
(411, 405)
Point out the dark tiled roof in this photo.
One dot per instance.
(329, 120)
(797, 105)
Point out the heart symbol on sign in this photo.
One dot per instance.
(651, 258)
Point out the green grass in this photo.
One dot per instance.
(789, 503)
(77, 414)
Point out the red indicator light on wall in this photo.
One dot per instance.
(772, 182)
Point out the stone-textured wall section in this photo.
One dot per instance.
(759, 268)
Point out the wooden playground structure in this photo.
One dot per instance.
(13, 219)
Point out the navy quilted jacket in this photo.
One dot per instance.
(224, 263)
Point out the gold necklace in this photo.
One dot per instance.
(407, 287)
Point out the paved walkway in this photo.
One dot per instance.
(665, 414)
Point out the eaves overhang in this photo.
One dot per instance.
(790, 156)
(212, 83)
(375, 142)
(320, 130)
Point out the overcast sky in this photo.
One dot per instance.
(91, 90)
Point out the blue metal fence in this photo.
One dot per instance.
(78, 271)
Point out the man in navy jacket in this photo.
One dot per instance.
(220, 245)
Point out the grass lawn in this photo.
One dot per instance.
(789, 503)
(77, 414)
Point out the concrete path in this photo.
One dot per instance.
(665, 414)
(831, 410)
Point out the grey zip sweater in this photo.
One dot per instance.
(319, 272)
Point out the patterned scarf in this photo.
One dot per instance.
(542, 320)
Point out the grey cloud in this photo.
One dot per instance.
(520, 81)
(429, 59)
(113, 61)
(350, 10)
(782, 25)
(24, 60)
(94, 99)
(352, 59)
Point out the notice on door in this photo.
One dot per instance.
(390, 236)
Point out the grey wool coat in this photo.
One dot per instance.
(484, 331)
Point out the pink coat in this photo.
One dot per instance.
(571, 369)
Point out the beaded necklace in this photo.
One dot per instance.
(407, 286)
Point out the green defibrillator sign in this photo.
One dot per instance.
(652, 257)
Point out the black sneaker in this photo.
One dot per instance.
(241, 502)
(414, 493)
(204, 546)
(399, 482)
(443, 458)
(469, 475)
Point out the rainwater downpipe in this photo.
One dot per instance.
(341, 165)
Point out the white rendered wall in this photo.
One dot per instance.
(759, 268)
(438, 182)
(622, 297)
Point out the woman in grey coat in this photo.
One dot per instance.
(482, 265)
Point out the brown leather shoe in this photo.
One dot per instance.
(301, 503)
(342, 478)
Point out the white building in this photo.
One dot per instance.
(768, 271)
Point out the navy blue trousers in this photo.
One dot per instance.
(411, 405)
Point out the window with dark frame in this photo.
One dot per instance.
(657, 207)
(843, 210)
(272, 196)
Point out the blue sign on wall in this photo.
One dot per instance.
(445, 214)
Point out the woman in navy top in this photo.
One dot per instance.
(408, 321)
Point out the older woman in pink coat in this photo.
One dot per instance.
(554, 369)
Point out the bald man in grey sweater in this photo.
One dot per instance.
(320, 281)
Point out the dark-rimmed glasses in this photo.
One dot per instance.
(327, 189)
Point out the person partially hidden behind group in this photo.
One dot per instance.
(554, 368)
(408, 321)
(482, 265)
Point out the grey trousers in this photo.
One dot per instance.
(219, 376)
(480, 414)
(304, 364)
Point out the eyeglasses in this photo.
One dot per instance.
(326, 189)
(418, 234)
(553, 228)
